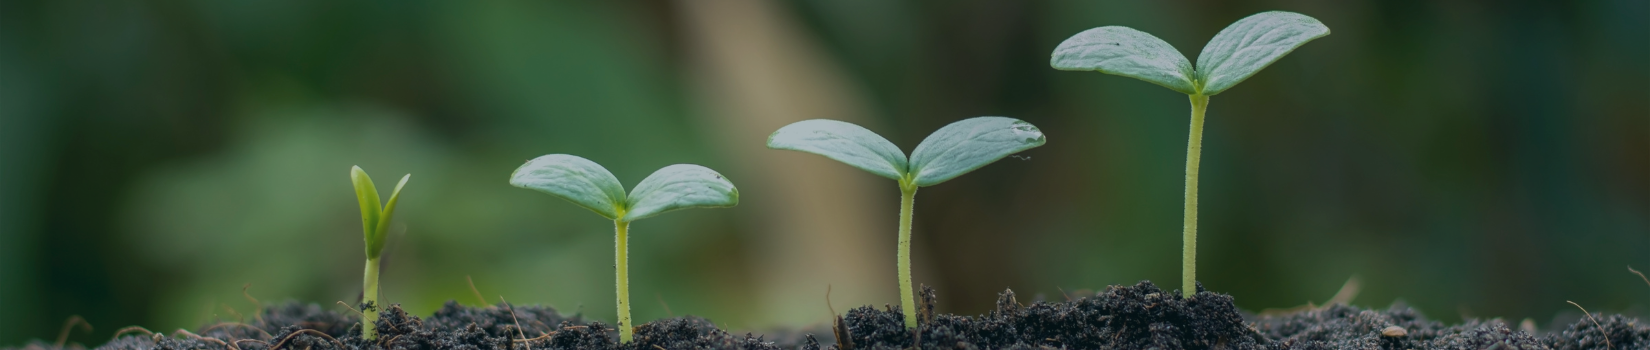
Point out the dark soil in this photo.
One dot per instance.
(1135, 317)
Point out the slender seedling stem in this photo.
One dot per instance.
(621, 252)
(63, 336)
(477, 292)
(1194, 153)
(369, 301)
(258, 314)
(1600, 327)
(512, 318)
(340, 303)
(907, 198)
(1641, 274)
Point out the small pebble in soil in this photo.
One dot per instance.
(1394, 331)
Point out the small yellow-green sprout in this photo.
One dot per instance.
(375, 220)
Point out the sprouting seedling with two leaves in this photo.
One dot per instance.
(951, 151)
(1235, 54)
(591, 186)
(375, 222)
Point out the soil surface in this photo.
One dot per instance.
(1132, 317)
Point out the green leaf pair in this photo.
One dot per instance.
(375, 219)
(953, 150)
(1235, 54)
(949, 152)
(591, 186)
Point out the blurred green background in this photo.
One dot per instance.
(1474, 159)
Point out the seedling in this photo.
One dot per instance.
(1237, 52)
(951, 151)
(375, 220)
(591, 186)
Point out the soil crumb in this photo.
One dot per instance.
(1141, 316)
(1348, 327)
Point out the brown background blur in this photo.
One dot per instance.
(1473, 158)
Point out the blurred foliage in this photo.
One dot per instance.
(1473, 159)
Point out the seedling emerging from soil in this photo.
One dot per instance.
(375, 220)
(953, 150)
(591, 186)
(1237, 52)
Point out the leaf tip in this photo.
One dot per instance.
(356, 174)
(516, 176)
(733, 191)
(401, 184)
(1028, 133)
(771, 136)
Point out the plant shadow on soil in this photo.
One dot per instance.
(1120, 317)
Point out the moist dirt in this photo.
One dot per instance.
(1141, 316)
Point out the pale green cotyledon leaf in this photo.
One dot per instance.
(844, 142)
(575, 179)
(384, 219)
(1251, 44)
(677, 187)
(367, 196)
(1127, 52)
(969, 144)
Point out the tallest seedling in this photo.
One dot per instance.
(1239, 51)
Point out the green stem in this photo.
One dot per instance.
(907, 198)
(621, 247)
(369, 301)
(1194, 151)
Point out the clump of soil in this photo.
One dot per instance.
(1138, 317)
(1347, 327)
(454, 327)
(1144, 317)
(1141, 316)
(1614, 331)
